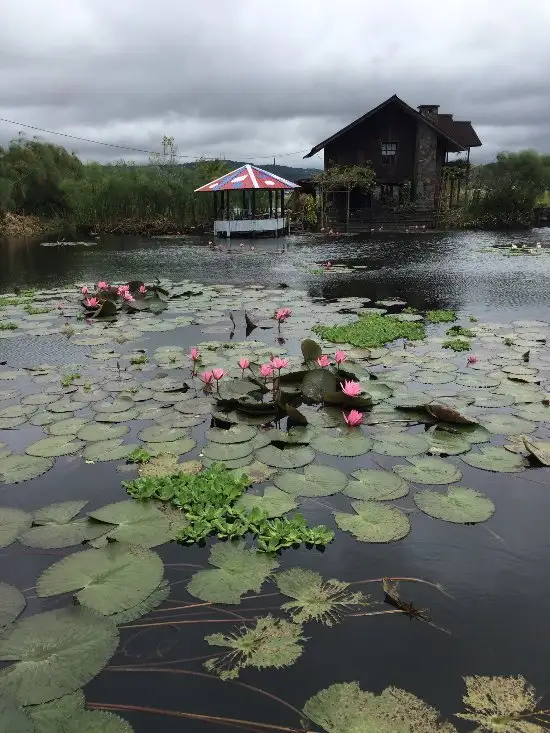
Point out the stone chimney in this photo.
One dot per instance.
(446, 115)
(429, 111)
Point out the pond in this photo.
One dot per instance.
(78, 394)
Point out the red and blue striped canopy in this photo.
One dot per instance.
(247, 176)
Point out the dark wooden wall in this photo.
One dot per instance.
(362, 144)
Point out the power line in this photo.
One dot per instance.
(127, 147)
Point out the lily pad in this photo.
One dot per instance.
(12, 603)
(289, 457)
(235, 434)
(54, 653)
(174, 447)
(495, 458)
(374, 522)
(444, 442)
(540, 449)
(227, 451)
(154, 600)
(13, 718)
(108, 450)
(316, 480)
(137, 523)
(68, 715)
(108, 580)
(317, 383)
(15, 469)
(347, 442)
(238, 571)
(504, 424)
(533, 411)
(12, 523)
(256, 471)
(114, 417)
(472, 433)
(458, 504)
(376, 484)
(68, 426)
(429, 471)
(400, 445)
(55, 526)
(273, 501)
(58, 445)
(94, 431)
(161, 434)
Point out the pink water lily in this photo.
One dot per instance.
(218, 374)
(85, 290)
(142, 289)
(207, 377)
(351, 389)
(102, 285)
(353, 418)
(92, 302)
(328, 264)
(194, 354)
(340, 357)
(127, 297)
(123, 289)
(323, 361)
(281, 315)
(266, 370)
(472, 359)
(244, 363)
(278, 363)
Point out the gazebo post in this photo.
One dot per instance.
(253, 203)
(283, 207)
(270, 192)
(244, 201)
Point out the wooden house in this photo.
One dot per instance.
(408, 150)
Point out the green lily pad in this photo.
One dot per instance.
(137, 523)
(68, 426)
(12, 603)
(374, 522)
(108, 450)
(175, 447)
(288, 457)
(317, 383)
(68, 715)
(58, 445)
(154, 600)
(235, 434)
(40, 398)
(13, 718)
(493, 400)
(273, 501)
(12, 523)
(443, 442)
(55, 526)
(458, 504)
(431, 377)
(472, 433)
(495, 458)
(238, 571)
(54, 653)
(504, 424)
(533, 411)
(119, 405)
(108, 580)
(376, 484)
(256, 471)
(316, 480)
(15, 469)
(161, 434)
(114, 417)
(96, 432)
(341, 442)
(197, 406)
(540, 449)
(429, 471)
(66, 405)
(323, 417)
(227, 451)
(400, 445)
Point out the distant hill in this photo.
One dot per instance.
(285, 171)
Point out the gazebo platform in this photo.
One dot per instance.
(259, 208)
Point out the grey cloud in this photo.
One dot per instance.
(246, 81)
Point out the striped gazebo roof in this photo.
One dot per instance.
(247, 176)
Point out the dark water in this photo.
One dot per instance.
(497, 574)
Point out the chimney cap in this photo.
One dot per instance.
(428, 106)
(446, 114)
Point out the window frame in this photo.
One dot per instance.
(389, 158)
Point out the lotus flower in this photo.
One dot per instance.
(218, 374)
(127, 297)
(85, 290)
(351, 389)
(244, 363)
(323, 361)
(353, 418)
(102, 285)
(472, 359)
(142, 289)
(266, 370)
(123, 289)
(340, 357)
(278, 363)
(92, 302)
(282, 314)
(194, 354)
(207, 378)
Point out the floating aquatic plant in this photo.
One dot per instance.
(458, 504)
(271, 642)
(456, 344)
(371, 331)
(441, 316)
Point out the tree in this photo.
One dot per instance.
(344, 178)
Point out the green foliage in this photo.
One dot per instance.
(139, 359)
(456, 344)
(8, 326)
(340, 177)
(460, 331)
(68, 379)
(372, 331)
(139, 455)
(207, 500)
(35, 311)
(441, 316)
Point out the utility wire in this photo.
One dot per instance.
(135, 150)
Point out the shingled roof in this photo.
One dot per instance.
(459, 135)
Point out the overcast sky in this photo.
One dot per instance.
(251, 81)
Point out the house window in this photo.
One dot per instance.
(389, 152)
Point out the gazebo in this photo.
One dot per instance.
(259, 210)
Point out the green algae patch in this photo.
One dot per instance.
(372, 331)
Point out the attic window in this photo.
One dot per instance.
(389, 152)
